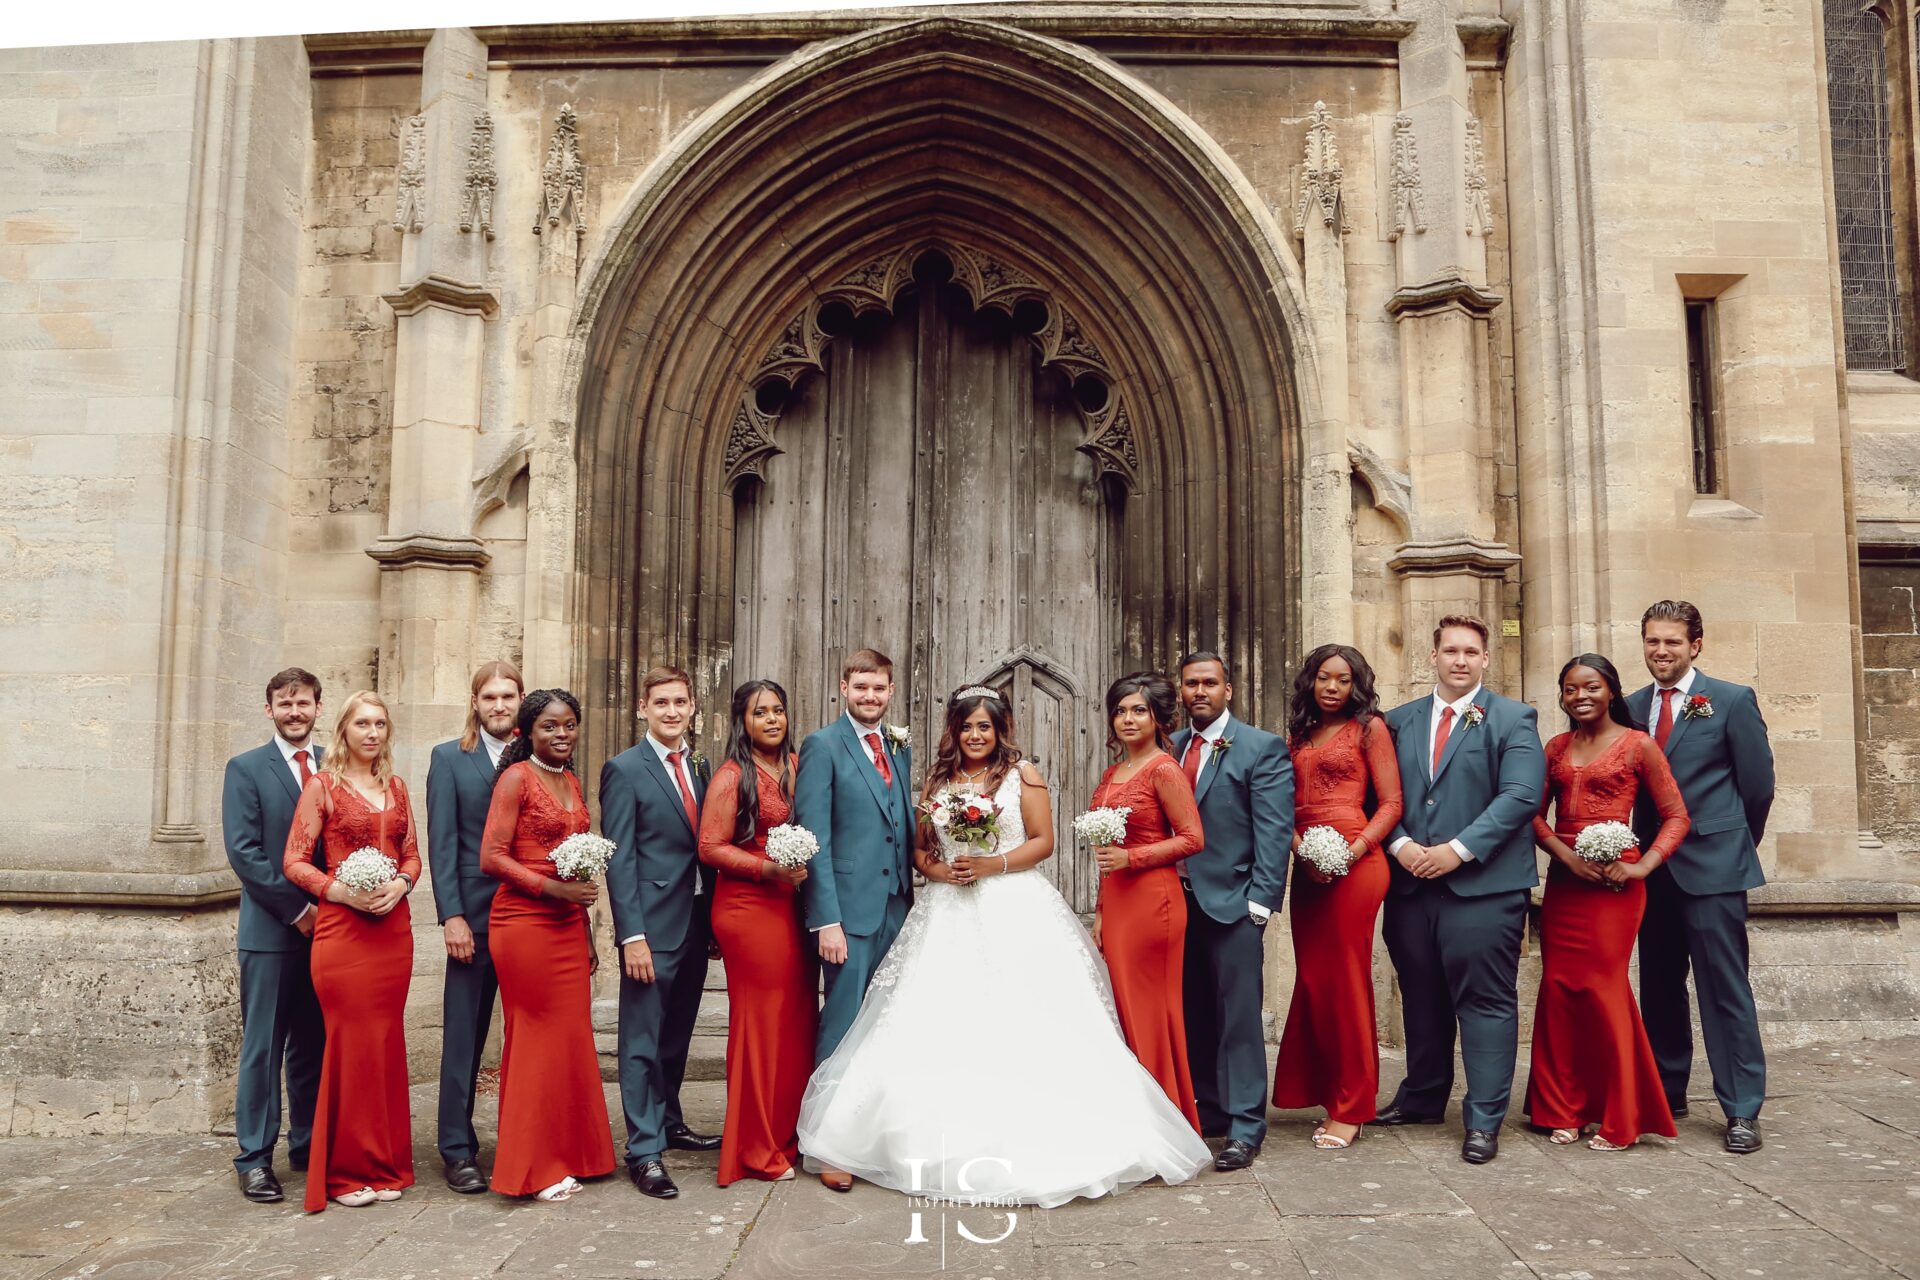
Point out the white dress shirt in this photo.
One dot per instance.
(293, 766)
(1459, 706)
(495, 748)
(662, 750)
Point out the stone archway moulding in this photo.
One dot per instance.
(1041, 170)
(991, 284)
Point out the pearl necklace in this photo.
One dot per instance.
(550, 768)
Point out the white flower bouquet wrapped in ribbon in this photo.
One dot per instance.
(1326, 851)
(365, 870)
(1102, 828)
(1605, 842)
(581, 857)
(790, 845)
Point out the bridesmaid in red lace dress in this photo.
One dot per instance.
(1592, 1064)
(362, 961)
(553, 1109)
(1342, 757)
(1140, 921)
(772, 1006)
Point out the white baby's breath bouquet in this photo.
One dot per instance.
(1605, 842)
(581, 857)
(1102, 828)
(1326, 850)
(791, 845)
(365, 870)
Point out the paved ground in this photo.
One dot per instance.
(1835, 1193)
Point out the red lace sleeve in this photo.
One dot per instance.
(309, 821)
(717, 818)
(1383, 764)
(496, 844)
(409, 847)
(1657, 776)
(1183, 815)
(1542, 830)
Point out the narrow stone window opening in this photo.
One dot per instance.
(1703, 398)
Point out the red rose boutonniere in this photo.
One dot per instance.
(1699, 707)
(1473, 715)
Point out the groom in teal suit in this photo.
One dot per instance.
(1462, 864)
(853, 795)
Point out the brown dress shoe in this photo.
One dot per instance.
(836, 1180)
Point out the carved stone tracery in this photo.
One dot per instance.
(1109, 437)
(1321, 173)
(410, 197)
(1407, 208)
(476, 210)
(1479, 204)
(563, 178)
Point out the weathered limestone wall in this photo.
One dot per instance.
(149, 199)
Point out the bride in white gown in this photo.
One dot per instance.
(987, 1060)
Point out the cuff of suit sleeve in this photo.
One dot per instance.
(1399, 844)
(1466, 854)
(305, 911)
(831, 924)
(1257, 911)
(638, 937)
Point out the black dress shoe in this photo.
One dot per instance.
(1235, 1155)
(1678, 1106)
(681, 1138)
(1393, 1113)
(1743, 1135)
(260, 1186)
(465, 1177)
(1480, 1147)
(650, 1178)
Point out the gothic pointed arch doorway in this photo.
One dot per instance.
(1071, 451)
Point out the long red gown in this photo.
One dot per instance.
(553, 1109)
(1143, 920)
(772, 983)
(1329, 1053)
(362, 1125)
(1592, 1063)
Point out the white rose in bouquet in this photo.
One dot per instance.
(365, 870)
(789, 845)
(1326, 851)
(1102, 828)
(581, 857)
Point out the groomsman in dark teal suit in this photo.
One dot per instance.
(1462, 864)
(1716, 744)
(853, 795)
(280, 1023)
(650, 797)
(1243, 781)
(460, 777)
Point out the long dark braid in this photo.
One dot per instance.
(740, 751)
(521, 748)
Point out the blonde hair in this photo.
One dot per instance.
(488, 672)
(338, 752)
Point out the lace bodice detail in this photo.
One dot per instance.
(1012, 832)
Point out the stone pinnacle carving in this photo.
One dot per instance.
(476, 210)
(1409, 213)
(563, 179)
(1320, 186)
(1479, 206)
(409, 211)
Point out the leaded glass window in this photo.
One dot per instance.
(1857, 99)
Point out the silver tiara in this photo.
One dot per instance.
(977, 691)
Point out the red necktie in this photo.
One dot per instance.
(1665, 725)
(300, 758)
(1191, 765)
(686, 792)
(879, 758)
(1440, 738)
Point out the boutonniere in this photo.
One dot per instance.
(1220, 747)
(899, 737)
(1473, 715)
(1699, 707)
(698, 761)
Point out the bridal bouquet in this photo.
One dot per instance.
(581, 857)
(1326, 851)
(791, 846)
(1605, 842)
(366, 870)
(1102, 828)
(964, 819)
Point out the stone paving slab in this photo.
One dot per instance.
(1835, 1193)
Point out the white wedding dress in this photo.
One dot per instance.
(987, 1059)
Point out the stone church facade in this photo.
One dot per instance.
(1034, 343)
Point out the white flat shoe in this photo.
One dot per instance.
(387, 1193)
(358, 1199)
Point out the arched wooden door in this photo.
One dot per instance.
(930, 501)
